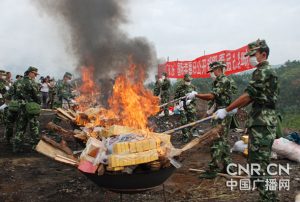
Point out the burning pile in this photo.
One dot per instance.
(117, 138)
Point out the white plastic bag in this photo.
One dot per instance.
(287, 149)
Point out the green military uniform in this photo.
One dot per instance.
(188, 114)
(157, 85)
(64, 92)
(11, 112)
(263, 90)
(29, 99)
(3, 91)
(64, 95)
(222, 88)
(165, 93)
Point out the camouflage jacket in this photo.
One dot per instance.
(26, 90)
(263, 89)
(156, 90)
(63, 90)
(165, 86)
(2, 91)
(12, 91)
(181, 91)
(223, 88)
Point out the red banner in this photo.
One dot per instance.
(235, 61)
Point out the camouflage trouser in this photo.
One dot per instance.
(187, 116)
(220, 150)
(165, 97)
(24, 119)
(10, 120)
(259, 149)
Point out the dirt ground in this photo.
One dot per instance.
(33, 177)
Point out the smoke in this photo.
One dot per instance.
(97, 39)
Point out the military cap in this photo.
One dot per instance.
(164, 74)
(32, 69)
(215, 65)
(255, 45)
(2, 72)
(68, 74)
(187, 77)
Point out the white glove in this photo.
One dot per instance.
(232, 112)
(191, 96)
(7, 88)
(3, 107)
(188, 102)
(220, 114)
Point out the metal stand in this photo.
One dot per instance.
(106, 194)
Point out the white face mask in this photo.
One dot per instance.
(163, 77)
(187, 83)
(253, 61)
(69, 81)
(212, 75)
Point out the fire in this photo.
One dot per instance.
(131, 101)
(130, 104)
(89, 91)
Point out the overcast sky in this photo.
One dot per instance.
(179, 29)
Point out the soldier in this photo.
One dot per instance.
(219, 97)
(262, 91)
(29, 99)
(65, 100)
(165, 92)
(3, 90)
(13, 110)
(156, 90)
(188, 109)
(64, 91)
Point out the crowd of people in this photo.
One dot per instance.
(21, 102)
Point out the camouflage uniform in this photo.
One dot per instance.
(11, 116)
(2, 95)
(64, 95)
(188, 114)
(157, 84)
(222, 89)
(263, 90)
(28, 92)
(165, 93)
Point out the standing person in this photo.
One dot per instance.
(165, 92)
(51, 93)
(9, 79)
(262, 91)
(65, 100)
(3, 90)
(45, 92)
(28, 96)
(12, 112)
(188, 111)
(220, 96)
(64, 91)
(157, 84)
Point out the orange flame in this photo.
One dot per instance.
(131, 101)
(131, 104)
(89, 91)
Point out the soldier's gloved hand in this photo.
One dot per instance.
(3, 107)
(220, 114)
(191, 96)
(232, 112)
(188, 102)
